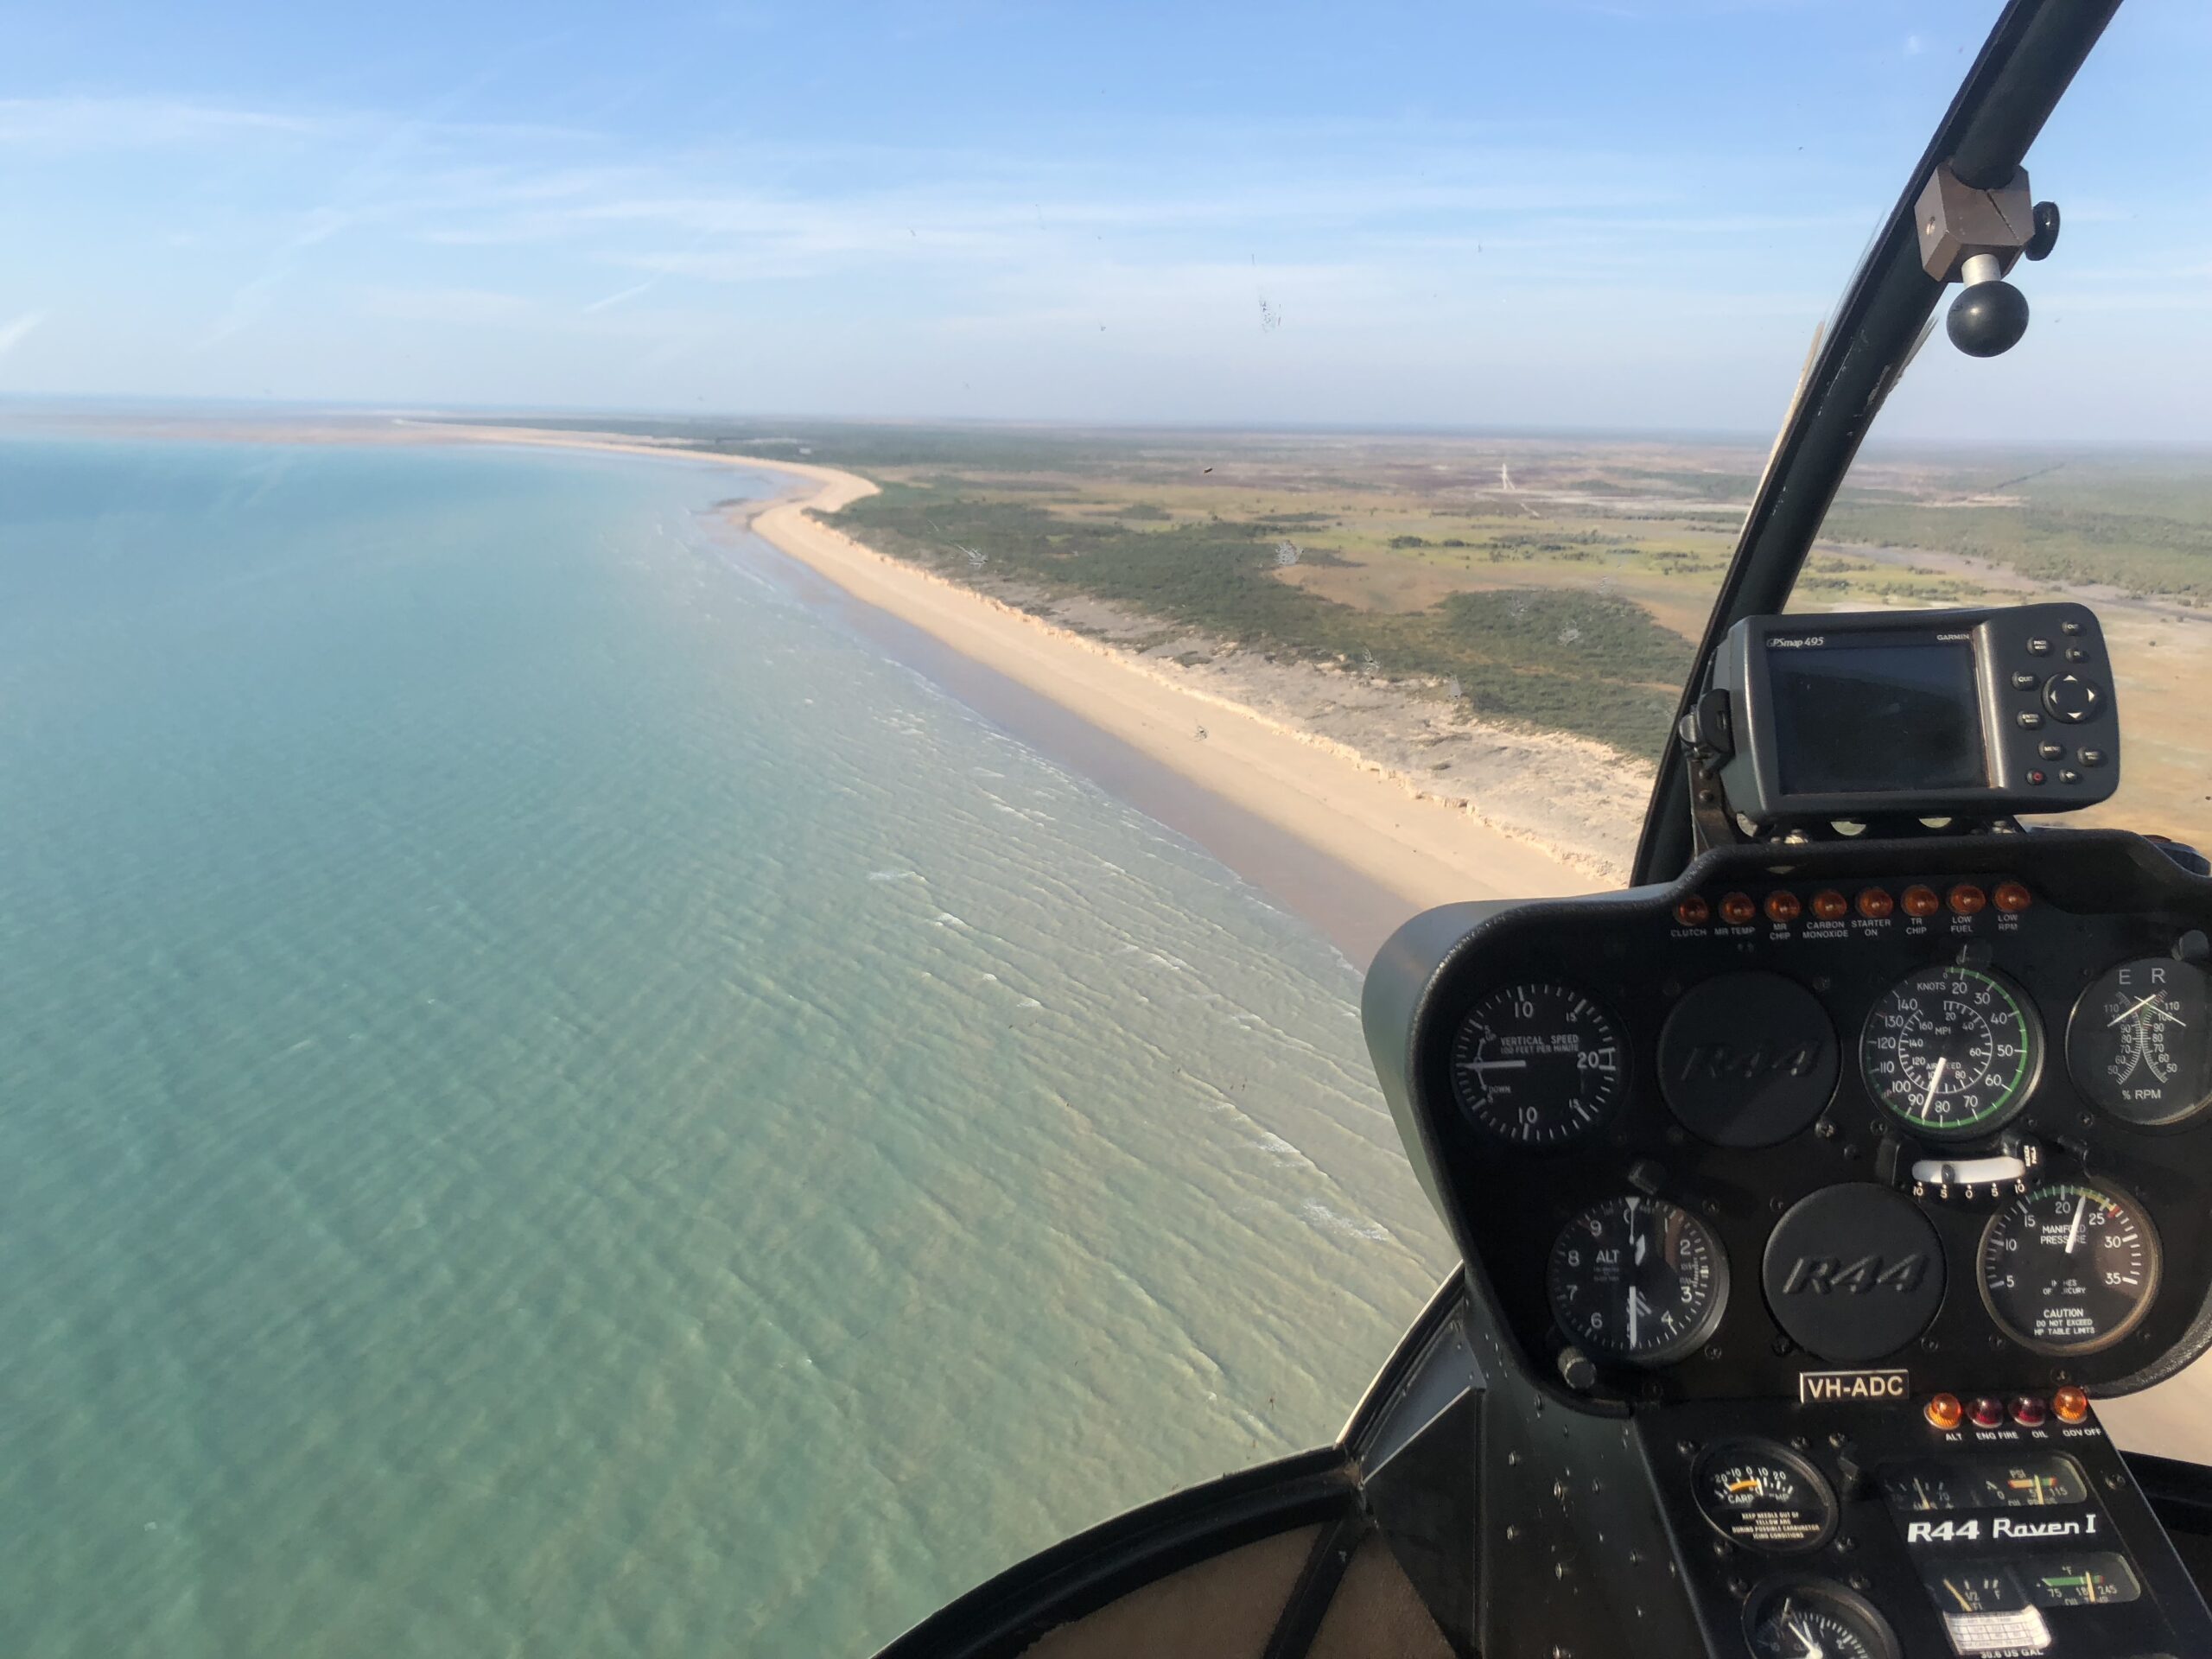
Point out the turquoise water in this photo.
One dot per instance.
(553, 1100)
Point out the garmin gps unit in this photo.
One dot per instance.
(1967, 713)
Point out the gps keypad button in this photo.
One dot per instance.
(2072, 698)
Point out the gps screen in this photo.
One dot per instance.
(1876, 712)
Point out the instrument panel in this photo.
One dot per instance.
(1938, 1106)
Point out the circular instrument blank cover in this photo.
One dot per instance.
(1748, 1059)
(1853, 1272)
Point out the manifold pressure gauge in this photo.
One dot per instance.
(2071, 1268)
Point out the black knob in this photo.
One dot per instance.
(2044, 237)
(1850, 1472)
(1988, 319)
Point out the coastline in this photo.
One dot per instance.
(1329, 798)
(1401, 844)
(1347, 835)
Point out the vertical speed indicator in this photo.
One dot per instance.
(1538, 1065)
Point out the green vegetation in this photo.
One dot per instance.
(1588, 663)
(2047, 542)
(1559, 581)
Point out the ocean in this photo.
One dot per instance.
(555, 1098)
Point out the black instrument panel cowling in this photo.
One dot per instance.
(2099, 897)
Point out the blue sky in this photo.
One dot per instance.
(1620, 215)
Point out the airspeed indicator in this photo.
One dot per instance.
(1952, 1051)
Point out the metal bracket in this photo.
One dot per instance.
(1708, 741)
(1958, 223)
(1711, 823)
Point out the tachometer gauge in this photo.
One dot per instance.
(2140, 1042)
(1761, 1497)
(1638, 1279)
(2069, 1268)
(1815, 1619)
(1952, 1051)
(1538, 1065)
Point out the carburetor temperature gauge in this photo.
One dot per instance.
(1760, 1496)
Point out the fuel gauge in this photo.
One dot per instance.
(1966, 1588)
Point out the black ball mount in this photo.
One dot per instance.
(1974, 235)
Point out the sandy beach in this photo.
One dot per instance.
(1350, 809)
(1358, 812)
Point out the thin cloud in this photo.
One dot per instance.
(95, 124)
(622, 295)
(466, 306)
(14, 332)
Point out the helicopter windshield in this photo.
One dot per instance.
(2077, 466)
(704, 719)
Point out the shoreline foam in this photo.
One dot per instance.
(1388, 827)
(1319, 788)
(1374, 821)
